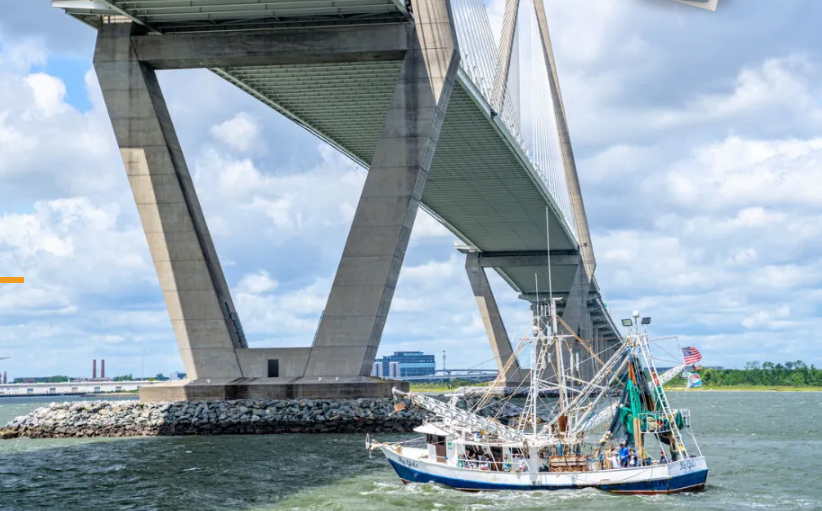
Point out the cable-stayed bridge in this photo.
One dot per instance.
(418, 92)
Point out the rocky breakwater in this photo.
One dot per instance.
(248, 416)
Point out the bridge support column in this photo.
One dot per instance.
(507, 364)
(611, 348)
(352, 325)
(576, 304)
(587, 335)
(195, 290)
(577, 357)
(597, 334)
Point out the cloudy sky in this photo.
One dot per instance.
(698, 148)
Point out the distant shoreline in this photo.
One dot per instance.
(723, 388)
(747, 388)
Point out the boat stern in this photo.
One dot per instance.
(688, 475)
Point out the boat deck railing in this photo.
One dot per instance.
(488, 466)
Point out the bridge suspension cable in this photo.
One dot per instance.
(525, 107)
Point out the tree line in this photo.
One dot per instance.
(790, 374)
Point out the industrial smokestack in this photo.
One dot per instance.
(94, 369)
(103, 368)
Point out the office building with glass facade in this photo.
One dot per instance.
(403, 364)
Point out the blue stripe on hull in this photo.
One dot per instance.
(686, 482)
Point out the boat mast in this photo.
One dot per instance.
(534, 378)
(643, 347)
(560, 372)
(552, 305)
(535, 370)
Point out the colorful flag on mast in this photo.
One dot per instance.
(693, 381)
(691, 355)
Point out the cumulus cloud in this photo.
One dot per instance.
(740, 172)
(427, 227)
(240, 133)
(257, 283)
(260, 201)
(49, 93)
(50, 149)
(732, 237)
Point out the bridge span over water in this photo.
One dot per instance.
(420, 93)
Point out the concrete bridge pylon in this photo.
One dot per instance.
(209, 335)
(418, 92)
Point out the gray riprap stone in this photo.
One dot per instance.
(224, 417)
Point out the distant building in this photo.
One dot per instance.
(403, 364)
(177, 375)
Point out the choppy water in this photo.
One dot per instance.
(764, 451)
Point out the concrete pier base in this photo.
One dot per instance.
(216, 389)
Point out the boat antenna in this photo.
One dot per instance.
(548, 246)
(550, 282)
(536, 287)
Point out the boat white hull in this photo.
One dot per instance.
(412, 465)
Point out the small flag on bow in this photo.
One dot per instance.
(691, 355)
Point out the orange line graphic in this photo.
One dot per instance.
(11, 280)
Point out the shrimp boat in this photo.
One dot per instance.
(558, 442)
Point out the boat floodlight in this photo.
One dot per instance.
(646, 321)
(627, 322)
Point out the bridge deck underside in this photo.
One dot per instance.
(169, 16)
(477, 185)
(342, 103)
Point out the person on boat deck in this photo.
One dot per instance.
(623, 455)
(614, 460)
(598, 460)
(506, 464)
(523, 465)
(662, 459)
(632, 462)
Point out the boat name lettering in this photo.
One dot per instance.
(410, 463)
(687, 465)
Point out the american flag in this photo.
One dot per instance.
(692, 355)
